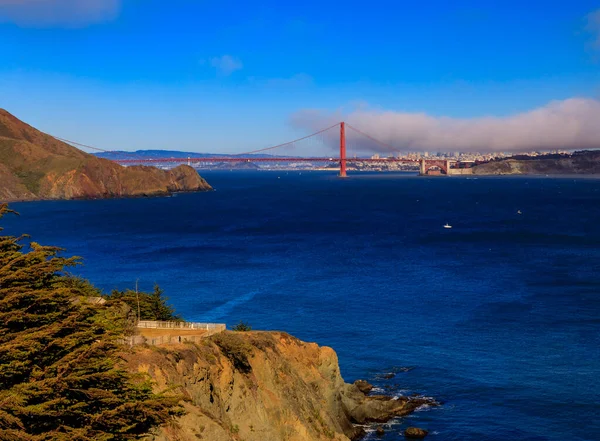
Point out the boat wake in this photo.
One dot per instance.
(221, 311)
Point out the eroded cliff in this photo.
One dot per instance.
(261, 386)
(34, 165)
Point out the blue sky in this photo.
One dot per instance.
(229, 76)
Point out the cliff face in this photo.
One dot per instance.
(261, 386)
(587, 162)
(34, 165)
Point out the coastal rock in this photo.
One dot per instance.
(363, 386)
(260, 386)
(380, 408)
(34, 165)
(415, 433)
(379, 431)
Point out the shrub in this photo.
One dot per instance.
(235, 349)
(242, 327)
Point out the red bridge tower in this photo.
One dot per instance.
(342, 150)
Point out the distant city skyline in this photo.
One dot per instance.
(227, 77)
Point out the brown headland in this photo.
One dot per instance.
(37, 166)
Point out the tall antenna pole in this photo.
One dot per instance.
(138, 299)
(342, 150)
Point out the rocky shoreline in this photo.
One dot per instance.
(264, 386)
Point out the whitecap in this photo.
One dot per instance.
(401, 393)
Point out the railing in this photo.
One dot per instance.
(172, 337)
(153, 324)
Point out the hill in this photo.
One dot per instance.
(584, 162)
(167, 154)
(34, 165)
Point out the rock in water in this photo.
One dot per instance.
(415, 433)
(380, 431)
(363, 386)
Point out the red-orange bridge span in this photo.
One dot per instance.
(236, 159)
(252, 156)
(333, 133)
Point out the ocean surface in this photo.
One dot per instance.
(498, 317)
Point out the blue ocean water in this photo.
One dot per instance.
(498, 317)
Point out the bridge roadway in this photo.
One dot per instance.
(246, 159)
(426, 166)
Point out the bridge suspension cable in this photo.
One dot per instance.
(78, 144)
(82, 145)
(289, 142)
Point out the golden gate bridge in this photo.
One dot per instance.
(341, 135)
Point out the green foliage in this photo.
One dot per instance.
(61, 376)
(235, 349)
(242, 327)
(30, 179)
(152, 306)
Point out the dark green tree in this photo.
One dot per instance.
(61, 372)
(152, 305)
(242, 327)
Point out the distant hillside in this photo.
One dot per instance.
(143, 154)
(585, 162)
(34, 165)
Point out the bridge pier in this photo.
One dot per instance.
(343, 150)
(422, 168)
(426, 164)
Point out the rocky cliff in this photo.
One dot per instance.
(34, 165)
(261, 386)
(586, 162)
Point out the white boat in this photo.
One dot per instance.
(519, 212)
(448, 226)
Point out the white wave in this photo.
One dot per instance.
(401, 393)
(421, 397)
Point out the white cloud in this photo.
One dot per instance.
(226, 64)
(48, 13)
(570, 124)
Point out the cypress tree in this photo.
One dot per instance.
(152, 306)
(61, 373)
